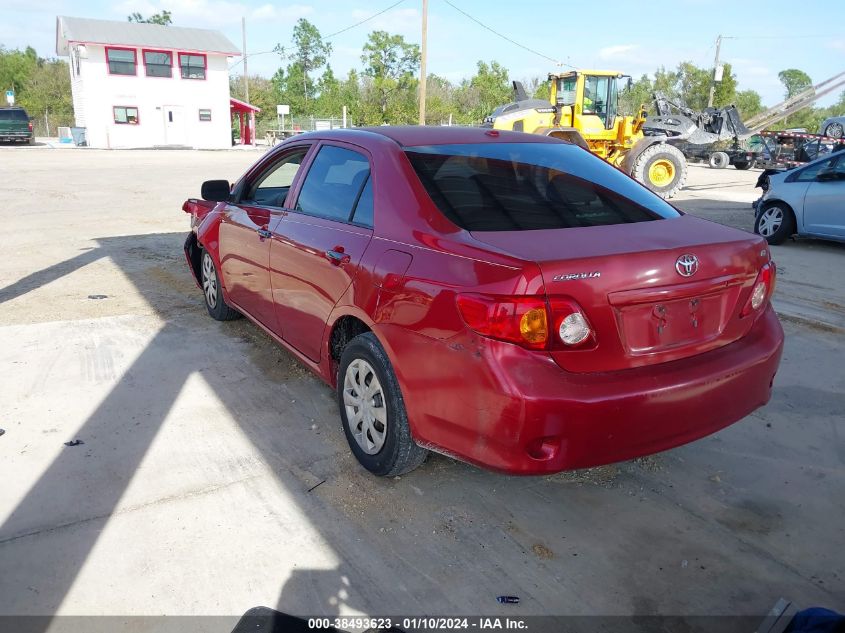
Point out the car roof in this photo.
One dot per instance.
(414, 135)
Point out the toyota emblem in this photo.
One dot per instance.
(686, 265)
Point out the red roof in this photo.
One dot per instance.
(242, 106)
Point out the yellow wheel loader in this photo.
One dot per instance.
(583, 108)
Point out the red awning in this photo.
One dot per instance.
(242, 106)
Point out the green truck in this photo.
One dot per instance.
(15, 126)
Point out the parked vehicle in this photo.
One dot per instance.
(787, 149)
(508, 299)
(15, 126)
(833, 127)
(741, 154)
(807, 201)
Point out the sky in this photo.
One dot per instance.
(760, 37)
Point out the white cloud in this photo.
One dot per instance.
(617, 51)
(406, 22)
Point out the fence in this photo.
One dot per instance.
(47, 123)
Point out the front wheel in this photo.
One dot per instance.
(372, 410)
(743, 165)
(775, 222)
(662, 168)
(217, 307)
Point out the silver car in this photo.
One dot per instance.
(833, 127)
(808, 200)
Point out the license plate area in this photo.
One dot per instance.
(650, 327)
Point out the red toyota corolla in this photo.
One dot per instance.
(507, 299)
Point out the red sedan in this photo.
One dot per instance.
(507, 299)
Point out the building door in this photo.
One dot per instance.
(174, 126)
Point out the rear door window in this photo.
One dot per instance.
(334, 184)
(530, 186)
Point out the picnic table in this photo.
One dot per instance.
(276, 136)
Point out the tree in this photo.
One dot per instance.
(48, 88)
(749, 103)
(391, 63)
(693, 85)
(482, 93)
(15, 68)
(794, 81)
(308, 53)
(161, 18)
(638, 94)
(725, 92)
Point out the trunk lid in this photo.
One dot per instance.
(624, 277)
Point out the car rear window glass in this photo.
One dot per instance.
(334, 183)
(530, 186)
(13, 115)
(364, 208)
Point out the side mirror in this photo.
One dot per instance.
(216, 190)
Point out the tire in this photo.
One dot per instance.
(834, 130)
(388, 451)
(719, 160)
(743, 165)
(661, 159)
(775, 222)
(217, 307)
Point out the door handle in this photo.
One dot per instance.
(264, 233)
(337, 257)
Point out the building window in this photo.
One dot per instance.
(193, 66)
(121, 61)
(126, 115)
(205, 115)
(158, 63)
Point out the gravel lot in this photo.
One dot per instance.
(193, 492)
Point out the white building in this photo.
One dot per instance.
(145, 85)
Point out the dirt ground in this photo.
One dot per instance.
(193, 491)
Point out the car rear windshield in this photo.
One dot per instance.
(530, 186)
(13, 115)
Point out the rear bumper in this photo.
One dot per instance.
(15, 136)
(505, 408)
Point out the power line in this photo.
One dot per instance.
(331, 35)
(365, 20)
(505, 37)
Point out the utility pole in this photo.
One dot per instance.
(715, 73)
(423, 56)
(246, 72)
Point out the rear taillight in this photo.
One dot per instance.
(520, 320)
(761, 291)
(30, 126)
(531, 322)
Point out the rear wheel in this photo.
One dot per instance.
(372, 410)
(662, 168)
(742, 165)
(719, 160)
(834, 130)
(212, 291)
(775, 222)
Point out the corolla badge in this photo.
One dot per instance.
(574, 276)
(686, 265)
